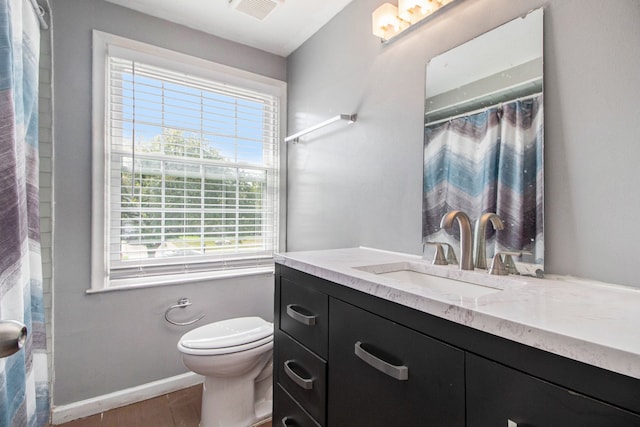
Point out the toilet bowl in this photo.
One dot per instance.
(235, 357)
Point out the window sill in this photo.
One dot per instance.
(176, 279)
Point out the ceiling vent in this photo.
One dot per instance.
(259, 9)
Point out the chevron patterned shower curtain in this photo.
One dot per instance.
(491, 161)
(24, 398)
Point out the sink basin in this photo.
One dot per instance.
(413, 273)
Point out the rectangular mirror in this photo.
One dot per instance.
(484, 138)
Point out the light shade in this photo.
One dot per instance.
(385, 21)
(415, 10)
(388, 21)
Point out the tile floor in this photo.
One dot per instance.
(178, 409)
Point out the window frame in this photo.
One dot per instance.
(105, 45)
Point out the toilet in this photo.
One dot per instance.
(235, 357)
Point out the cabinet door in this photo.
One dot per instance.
(501, 396)
(384, 374)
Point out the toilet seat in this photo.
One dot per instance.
(227, 336)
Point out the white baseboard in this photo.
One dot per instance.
(95, 405)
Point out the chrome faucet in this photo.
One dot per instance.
(479, 236)
(466, 254)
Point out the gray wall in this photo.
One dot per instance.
(361, 184)
(111, 341)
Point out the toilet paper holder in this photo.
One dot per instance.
(182, 303)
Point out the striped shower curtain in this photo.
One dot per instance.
(490, 161)
(24, 399)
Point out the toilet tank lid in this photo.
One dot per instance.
(228, 333)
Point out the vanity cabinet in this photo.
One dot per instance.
(346, 358)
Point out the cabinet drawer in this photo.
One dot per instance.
(287, 413)
(304, 315)
(384, 374)
(303, 375)
(497, 394)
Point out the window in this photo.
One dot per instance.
(186, 167)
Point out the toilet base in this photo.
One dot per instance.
(234, 402)
(263, 406)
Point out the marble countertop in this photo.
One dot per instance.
(592, 322)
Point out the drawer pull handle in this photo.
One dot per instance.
(300, 317)
(512, 423)
(400, 373)
(288, 422)
(305, 383)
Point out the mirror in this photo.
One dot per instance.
(483, 138)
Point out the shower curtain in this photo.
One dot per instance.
(24, 396)
(489, 161)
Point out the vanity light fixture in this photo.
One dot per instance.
(388, 21)
(416, 10)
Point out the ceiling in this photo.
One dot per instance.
(289, 25)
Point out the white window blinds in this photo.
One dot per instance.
(191, 172)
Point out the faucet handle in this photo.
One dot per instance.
(508, 260)
(439, 258)
(500, 267)
(497, 266)
(451, 255)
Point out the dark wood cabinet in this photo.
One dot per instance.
(346, 358)
(384, 374)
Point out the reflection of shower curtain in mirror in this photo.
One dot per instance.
(488, 162)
